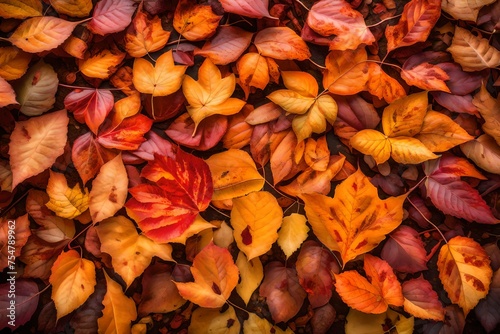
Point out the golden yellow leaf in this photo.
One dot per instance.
(41, 33)
(255, 324)
(485, 153)
(404, 117)
(292, 233)
(291, 101)
(119, 310)
(73, 281)
(346, 71)
(256, 219)
(251, 274)
(472, 52)
(151, 79)
(408, 150)
(234, 174)
(489, 108)
(464, 269)
(355, 220)
(20, 9)
(440, 133)
(102, 64)
(324, 110)
(195, 21)
(66, 202)
(130, 252)
(210, 95)
(13, 62)
(74, 8)
(374, 143)
(359, 322)
(126, 107)
(301, 82)
(145, 35)
(205, 320)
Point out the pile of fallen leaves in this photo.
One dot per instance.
(250, 166)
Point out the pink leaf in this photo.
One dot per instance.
(127, 135)
(282, 290)
(250, 8)
(461, 83)
(25, 302)
(226, 46)
(405, 251)
(111, 16)
(154, 144)
(90, 106)
(315, 266)
(456, 103)
(487, 309)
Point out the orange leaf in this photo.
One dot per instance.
(11, 248)
(382, 85)
(20, 9)
(426, 76)
(415, 25)
(126, 135)
(226, 46)
(317, 154)
(372, 142)
(74, 8)
(101, 64)
(464, 269)
(282, 165)
(256, 219)
(195, 21)
(281, 43)
(346, 71)
(13, 63)
(250, 8)
(7, 94)
(215, 276)
(66, 202)
(405, 116)
(145, 35)
(337, 17)
(421, 300)
(355, 220)
(253, 72)
(382, 277)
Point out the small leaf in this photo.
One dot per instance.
(383, 86)
(26, 298)
(7, 94)
(256, 324)
(111, 16)
(374, 143)
(251, 274)
(90, 106)
(126, 135)
(357, 292)
(195, 21)
(464, 9)
(66, 202)
(41, 33)
(346, 71)
(73, 281)
(404, 250)
(408, 150)
(101, 64)
(21, 229)
(253, 71)
(486, 310)
(381, 276)
(485, 153)
(281, 43)
(359, 322)
(293, 233)
(425, 76)
(145, 35)
(464, 270)
(489, 108)
(405, 116)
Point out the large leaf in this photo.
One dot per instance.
(281, 43)
(111, 16)
(415, 25)
(36, 143)
(183, 188)
(20, 9)
(256, 219)
(36, 90)
(215, 276)
(464, 270)
(282, 291)
(355, 220)
(73, 281)
(130, 252)
(90, 106)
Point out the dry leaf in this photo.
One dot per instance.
(66, 202)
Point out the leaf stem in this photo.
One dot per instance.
(236, 306)
(304, 6)
(382, 21)
(427, 220)
(79, 233)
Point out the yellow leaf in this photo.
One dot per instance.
(485, 153)
(255, 324)
(20, 9)
(215, 276)
(42, 33)
(489, 108)
(195, 21)
(13, 62)
(256, 219)
(210, 95)
(359, 322)
(74, 8)
(374, 143)
(7, 94)
(301, 82)
(291, 101)
(119, 310)
(323, 111)
(355, 220)
(251, 273)
(464, 269)
(126, 107)
(145, 35)
(130, 252)
(196, 227)
(292, 233)
(346, 71)
(102, 64)
(73, 281)
(109, 190)
(234, 174)
(152, 80)
(66, 202)
(440, 133)
(404, 117)
(408, 150)
(205, 320)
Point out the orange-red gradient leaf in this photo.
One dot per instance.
(215, 276)
(90, 106)
(145, 35)
(281, 43)
(7, 94)
(421, 300)
(381, 276)
(127, 135)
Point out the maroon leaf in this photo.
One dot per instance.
(487, 309)
(18, 301)
(405, 251)
(456, 103)
(163, 107)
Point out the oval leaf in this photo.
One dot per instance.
(111, 16)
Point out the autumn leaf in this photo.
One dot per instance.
(383, 86)
(210, 94)
(356, 226)
(101, 64)
(73, 281)
(293, 233)
(256, 324)
(405, 116)
(20, 9)
(256, 219)
(281, 43)
(27, 298)
(464, 270)
(226, 46)
(381, 275)
(111, 16)
(425, 76)
(215, 276)
(7, 94)
(115, 302)
(195, 21)
(128, 134)
(251, 275)
(36, 143)
(66, 202)
(257, 9)
(254, 72)
(359, 322)
(464, 10)
(181, 188)
(489, 108)
(13, 236)
(130, 252)
(404, 250)
(145, 35)
(421, 300)
(74, 8)
(213, 320)
(13, 62)
(346, 72)
(485, 153)
(90, 106)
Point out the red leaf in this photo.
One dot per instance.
(282, 290)
(154, 144)
(111, 16)
(315, 265)
(182, 188)
(404, 250)
(90, 106)
(250, 8)
(127, 135)
(26, 302)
